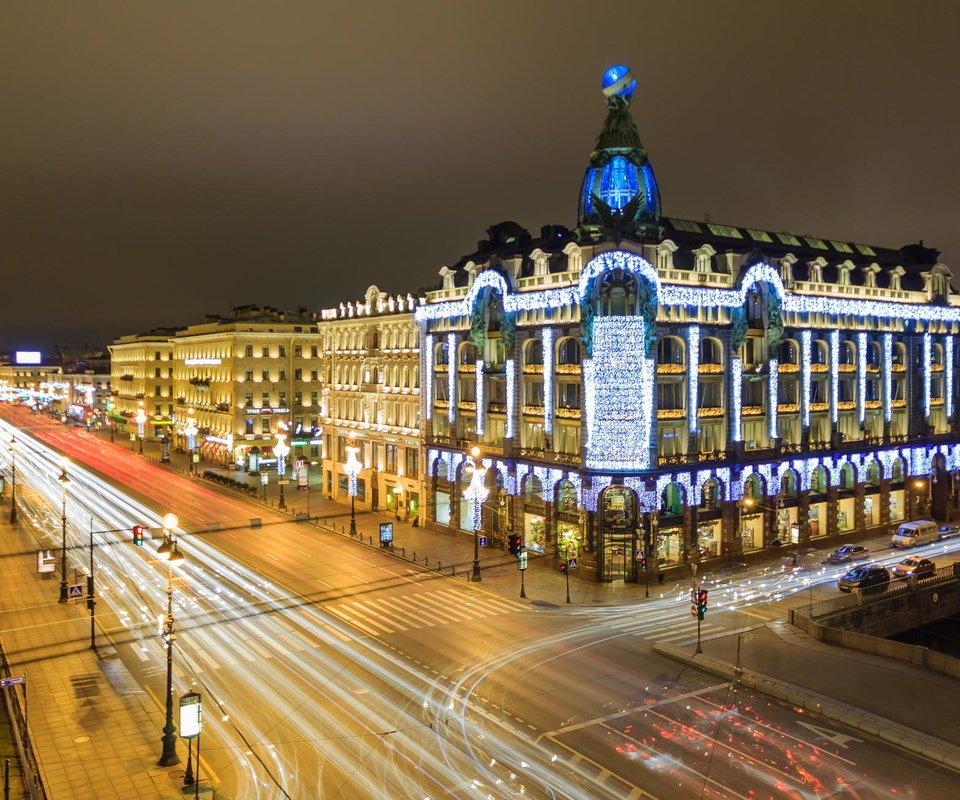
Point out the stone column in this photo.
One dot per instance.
(731, 545)
(859, 517)
(803, 517)
(832, 503)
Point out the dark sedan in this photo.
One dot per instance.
(849, 552)
(864, 578)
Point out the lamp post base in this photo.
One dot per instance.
(353, 526)
(13, 514)
(169, 757)
(64, 593)
(475, 575)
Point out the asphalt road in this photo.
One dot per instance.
(341, 672)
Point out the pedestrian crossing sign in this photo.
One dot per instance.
(75, 592)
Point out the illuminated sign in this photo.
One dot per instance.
(190, 715)
(202, 362)
(28, 357)
(269, 410)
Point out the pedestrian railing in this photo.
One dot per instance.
(14, 697)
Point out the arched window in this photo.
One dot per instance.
(873, 474)
(568, 351)
(468, 354)
(847, 477)
(671, 501)
(873, 355)
(936, 354)
(899, 355)
(533, 491)
(788, 484)
(752, 487)
(789, 352)
(820, 352)
(618, 294)
(755, 311)
(848, 353)
(670, 351)
(566, 497)
(533, 352)
(710, 498)
(440, 357)
(897, 470)
(819, 482)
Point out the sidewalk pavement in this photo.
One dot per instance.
(95, 732)
(908, 706)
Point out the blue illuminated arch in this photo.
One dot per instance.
(617, 259)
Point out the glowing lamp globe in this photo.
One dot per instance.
(618, 81)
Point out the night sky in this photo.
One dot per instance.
(162, 161)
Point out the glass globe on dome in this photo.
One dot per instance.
(618, 82)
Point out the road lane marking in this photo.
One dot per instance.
(636, 710)
(357, 578)
(271, 555)
(354, 623)
(296, 632)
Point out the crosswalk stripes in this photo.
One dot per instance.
(382, 615)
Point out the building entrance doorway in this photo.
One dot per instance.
(618, 533)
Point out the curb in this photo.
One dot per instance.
(921, 744)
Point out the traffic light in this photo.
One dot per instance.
(643, 560)
(563, 566)
(701, 603)
(515, 543)
(138, 535)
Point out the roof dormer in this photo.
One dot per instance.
(870, 275)
(844, 269)
(786, 267)
(702, 258)
(448, 276)
(816, 269)
(665, 251)
(896, 273)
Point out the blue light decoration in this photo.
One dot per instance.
(693, 376)
(805, 337)
(773, 386)
(619, 389)
(592, 493)
(834, 374)
(736, 384)
(948, 368)
(452, 376)
(861, 377)
(926, 375)
(619, 183)
(511, 394)
(428, 375)
(548, 380)
(618, 81)
(481, 408)
(685, 295)
(887, 376)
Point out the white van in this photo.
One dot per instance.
(912, 534)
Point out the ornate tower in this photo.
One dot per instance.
(619, 196)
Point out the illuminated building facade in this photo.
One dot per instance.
(241, 376)
(649, 388)
(371, 391)
(141, 372)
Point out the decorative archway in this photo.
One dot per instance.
(619, 512)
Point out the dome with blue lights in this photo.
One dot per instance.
(619, 179)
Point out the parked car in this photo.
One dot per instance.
(918, 566)
(864, 577)
(849, 552)
(913, 534)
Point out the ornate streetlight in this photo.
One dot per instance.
(352, 468)
(281, 450)
(13, 480)
(169, 552)
(64, 485)
(476, 493)
(190, 430)
(141, 419)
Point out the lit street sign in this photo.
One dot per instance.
(386, 533)
(190, 715)
(13, 680)
(46, 561)
(483, 541)
(522, 560)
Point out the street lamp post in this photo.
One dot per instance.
(352, 467)
(141, 419)
(476, 493)
(190, 430)
(169, 552)
(281, 449)
(13, 480)
(64, 485)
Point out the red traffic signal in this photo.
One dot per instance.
(701, 603)
(138, 535)
(515, 543)
(563, 566)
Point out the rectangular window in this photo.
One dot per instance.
(342, 449)
(787, 392)
(754, 393)
(533, 393)
(283, 351)
(248, 351)
(156, 356)
(265, 375)
(156, 372)
(298, 374)
(264, 425)
(467, 392)
(671, 440)
(670, 395)
(156, 409)
(313, 375)
(249, 400)
(248, 425)
(413, 462)
(313, 398)
(313, 353)
(819, 392)
(249, 376)
(265, 399)
(298, 398)
(265, 352)
(283, 399)
(711, 394)
(298, 351)
(390, 464)
(283, 375)
(848, 390)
